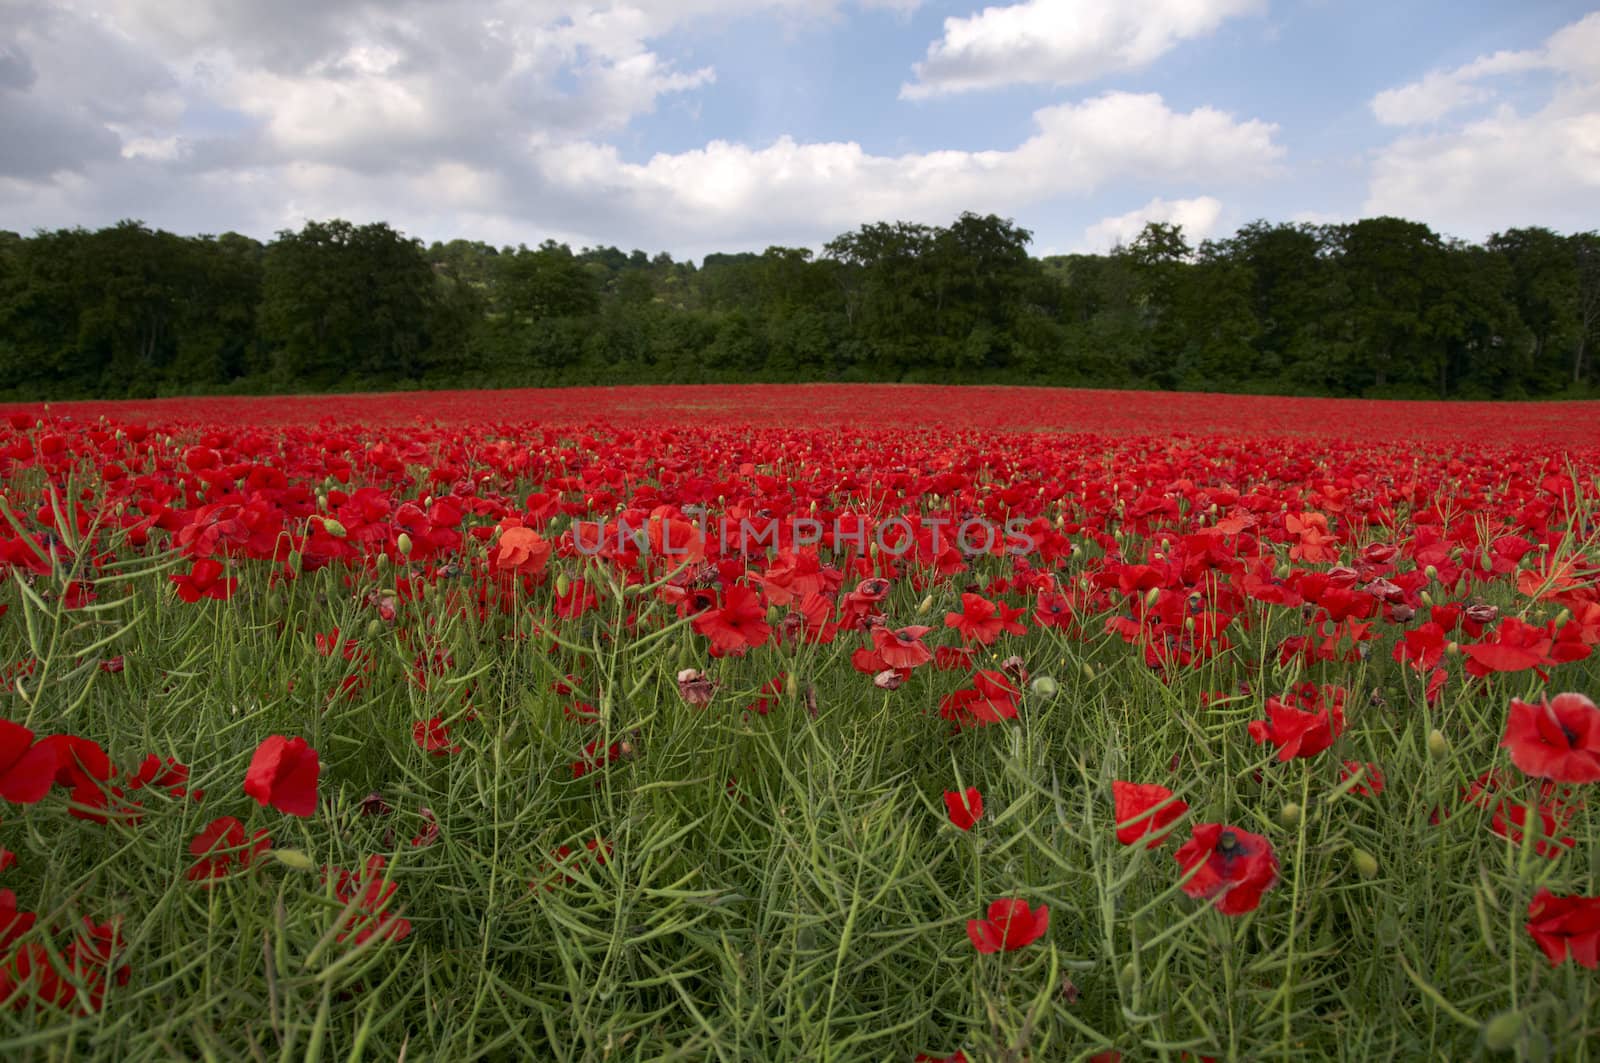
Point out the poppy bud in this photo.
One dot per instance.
(1283, 571)
(1485, 564)
(1088, 670)
(322, 499)
(791, 685)
(1045, 687)
(333, 527)
(1438, 745)
(1152, 596)
(403, 544)
(381, 562)
(1289, 815)
(563, 585)
(1427, 599)
(293, 858)
(374, 628)
(1501, 1032)
(1453, 649)
(1365, 863)
(1431, 572)
(1127, 975)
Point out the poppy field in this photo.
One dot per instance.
(814, 723)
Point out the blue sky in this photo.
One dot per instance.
(673, 125)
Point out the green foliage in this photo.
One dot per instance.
(1379, 307)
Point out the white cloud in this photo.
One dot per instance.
(1198, 218)
(1052, 42)
(731, 192)
(1509, 167)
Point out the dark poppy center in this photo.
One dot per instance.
(1228, 843)
(903, 636)
(1572, 736)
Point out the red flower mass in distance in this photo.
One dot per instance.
(1011, 925)
(1566, 925)
(964, 806)
(1134, 803)
(1555, 739)
(283, 774)
(1234, 866)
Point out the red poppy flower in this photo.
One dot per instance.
(221, 845)
(991, 699)
(283, 774)
(1011, 925)
(1371, 784)
(739, 623)
(204, 580)
(13, 923)
(984, 621)
(1301, 731)
(1509, 814)
(1135, 819)
(1234, 866)
(1566, 925)
(902, 648)
(958, 1056)
(965, 807)
(1557, 739)
(27, 768)
(520, 550)
(433, 736)
(368, 895)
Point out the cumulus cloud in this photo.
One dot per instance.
(730, 191)
(1534, 166)
(498, 120)
(1050, 42)
(1197, 217)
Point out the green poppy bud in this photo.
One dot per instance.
(1044, 686)
(1289, 815)
(1438, 744)
(403, 544)
(563, 585)
(333, 527)
(1365, 863)
(1501, 1032)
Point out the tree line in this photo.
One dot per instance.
(1381, 307)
